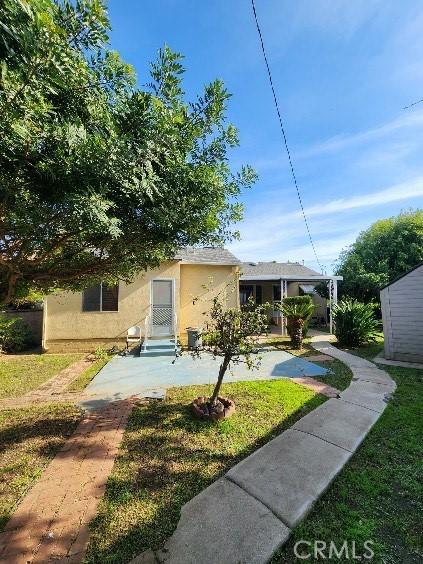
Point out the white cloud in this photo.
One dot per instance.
(341, 142)
(403, 191)
(277, 235)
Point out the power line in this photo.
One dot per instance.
(283, 134)
(413, 104)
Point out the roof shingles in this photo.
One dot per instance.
(276, 268)
(207, 255)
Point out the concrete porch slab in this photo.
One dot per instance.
(289, 473)
(340, 423)
(223, 524)
(150, 376)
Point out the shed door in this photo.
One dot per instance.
(162, 308)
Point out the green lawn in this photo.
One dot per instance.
(21, 373)
(29, 439)
(379, 494)
(339, 376)
(82, 381)
(167, 457)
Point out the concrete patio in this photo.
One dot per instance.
(150, 376)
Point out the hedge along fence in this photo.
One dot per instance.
(33, 318)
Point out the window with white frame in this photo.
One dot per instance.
(101, 297)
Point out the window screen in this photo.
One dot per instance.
(109, 298)
(91, 298)
(100, 298)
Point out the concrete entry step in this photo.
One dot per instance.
(159, 347)
(159, 343)
(163, 352)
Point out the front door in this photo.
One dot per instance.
(162, 308)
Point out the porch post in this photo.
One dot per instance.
(331, 296)
(284, 292)
(282, 315)
(334, 299)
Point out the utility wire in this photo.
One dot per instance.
(413, 104)
(284, 135)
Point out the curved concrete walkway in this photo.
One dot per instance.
(246, 515)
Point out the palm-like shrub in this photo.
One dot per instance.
(355, 322)
(298, 312)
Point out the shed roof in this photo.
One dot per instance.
(207, 255)
(276, 268)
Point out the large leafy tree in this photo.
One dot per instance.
(100, 179)
(387, 249)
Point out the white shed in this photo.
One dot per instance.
(402, 316)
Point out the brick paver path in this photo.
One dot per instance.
(318, 387)
(51, 523)
(318, 358)
(51, 391)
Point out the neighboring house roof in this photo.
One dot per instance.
(276, 268)
(402, 276)
(207, 255)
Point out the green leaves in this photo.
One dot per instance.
(100, 179)
(297, 307)
(232, 332)
(389, 248)
(355, 323)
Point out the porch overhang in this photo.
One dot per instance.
(283, 279)
(290, 278)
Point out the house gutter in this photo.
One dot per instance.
(313, 278)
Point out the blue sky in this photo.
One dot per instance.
(343, 70)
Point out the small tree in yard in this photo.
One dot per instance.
(232, 334)
(298, 311)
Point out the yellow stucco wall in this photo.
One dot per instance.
(193, 277)
(65, 320)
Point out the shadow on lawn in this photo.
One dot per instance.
(168, 458)
(44, 429)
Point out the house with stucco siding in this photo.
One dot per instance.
(163, 302)
(167, 300)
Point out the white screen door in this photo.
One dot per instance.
(162, 308)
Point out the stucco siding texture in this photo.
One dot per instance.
(402, 315)
(195, 299)
(66, 320)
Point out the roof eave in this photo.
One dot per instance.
(209, 263)
(297, 278)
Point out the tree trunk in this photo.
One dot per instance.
(222, 371)
(297, 333)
